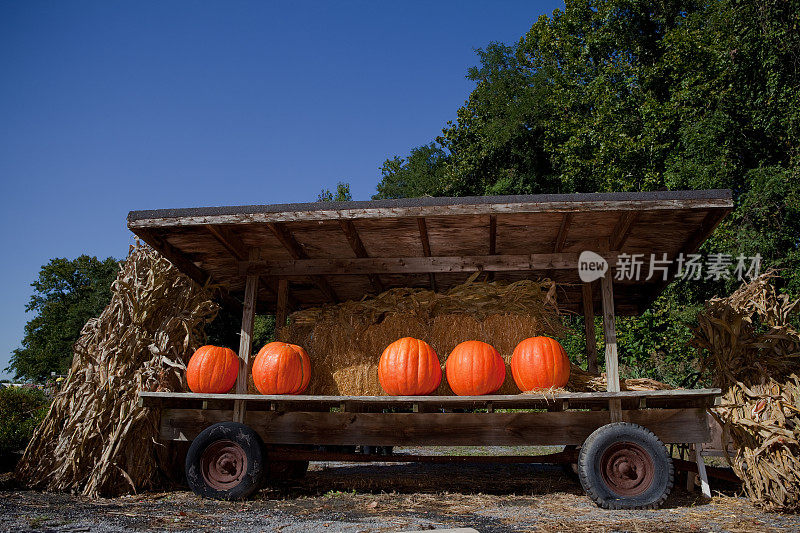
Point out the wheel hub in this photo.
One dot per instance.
(627, 468)
(223, 464)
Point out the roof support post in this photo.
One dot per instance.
(281, 310)
(246, 339)
(588, 320)
(610, 334)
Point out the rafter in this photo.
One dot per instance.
(288, 241)
(357, 245)
(622, 230)
(426, 246)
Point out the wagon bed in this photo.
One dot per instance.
(675, 416)
(279, 258)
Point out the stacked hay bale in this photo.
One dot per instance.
(345, 341)
(747, 343)
(95, 440)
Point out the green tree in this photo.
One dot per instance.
(419, 174)
(66, 295)
(497, 142)
(342, 194)
(21, 410)
(630, 95)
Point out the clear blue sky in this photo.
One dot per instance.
(106, 107)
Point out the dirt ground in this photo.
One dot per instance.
(391, 497)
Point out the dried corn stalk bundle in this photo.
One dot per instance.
(345, 341)
(95, 440)
(752, 351)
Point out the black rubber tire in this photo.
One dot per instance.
(593, 482)
(249, 445)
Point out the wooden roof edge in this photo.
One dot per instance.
(434, 206)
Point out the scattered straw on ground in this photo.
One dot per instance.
(747, 343)
(95, 440)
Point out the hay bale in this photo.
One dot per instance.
(345, 341)
(95, 440)
(747, 344)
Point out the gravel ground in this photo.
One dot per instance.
(389, 497)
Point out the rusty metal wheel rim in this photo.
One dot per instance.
(223, 464)
(627, 468)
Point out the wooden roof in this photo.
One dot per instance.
(337, 251)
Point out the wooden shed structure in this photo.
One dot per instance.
(283, 257)
(278, 258)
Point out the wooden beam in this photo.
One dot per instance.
(185, 265)
(415, 265)
(438, 429)
(173, 255)
(246, 338)
(693, 242)
(588, 319)
(281, 309)
(229, 240)
(563, 230)
(285, 237)
(610, 334)
(622, 230)
(631, 400)
(492, 234)
(349, 229)
(492, 242)
(561, 239)
(426, 246)
(643, 201)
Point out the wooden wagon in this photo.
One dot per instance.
(277, 258)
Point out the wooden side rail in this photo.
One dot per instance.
(437, 429)
(631, 400)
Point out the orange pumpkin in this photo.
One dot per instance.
(409, 367)
(539, 363)
(281, 368)
(474, 368)
(212, 370)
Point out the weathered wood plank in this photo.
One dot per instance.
(622, 230)
(415, 265)
(693, 242)
(230, 240)
(444, 207)
(492, 241)
(426, 246)
(282, 305)
(438, 429)
(357, 245)
(563, 231)
(588, 319)
(294, 248)
(576, 400)
(246, 338)
(173, 255)
(610, 335)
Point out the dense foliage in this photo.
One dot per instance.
(21, 410)
(634, 95)
(67, 293)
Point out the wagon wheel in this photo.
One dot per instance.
(625, 466)
(224, 462)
